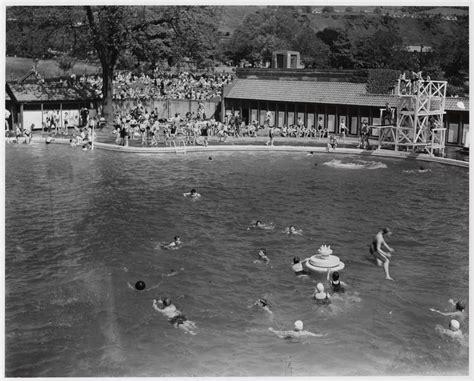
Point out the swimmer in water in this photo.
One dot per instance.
(292, 230)
(260, 225)
(321, 297)
(296, 333)
(381, 256)
(262, 302)
(423, 169)
(176, 244)
(454, 330)
(336, 284)
(192, 194)
(459, 310)
(173, 272)
(262, 257)
(298, 267)
(174, 316)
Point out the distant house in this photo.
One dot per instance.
(418, 48)
(30, 101)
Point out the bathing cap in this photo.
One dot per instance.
(386, 230)
(296, 259)
(335, 275)
(140, 285)
(298, 325)
(460, 306)
(320, 287)
(454, 325)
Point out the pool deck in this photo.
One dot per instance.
(105, 141)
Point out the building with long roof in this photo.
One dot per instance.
(327, 97)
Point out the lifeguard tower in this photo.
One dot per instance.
(419, 118)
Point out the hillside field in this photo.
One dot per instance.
(17, 67)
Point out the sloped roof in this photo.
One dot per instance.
(344, 93)
(452, 104)
(47, 91)
(296, 91)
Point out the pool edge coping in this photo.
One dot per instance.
(274, 148)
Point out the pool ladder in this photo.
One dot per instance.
(180, 147)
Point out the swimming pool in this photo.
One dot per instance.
(82, 226)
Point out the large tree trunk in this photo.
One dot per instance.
(107, 94)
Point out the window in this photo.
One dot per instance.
(280, 61)
(291, 118)
(465, 135)
(263, 114)
(376, 121)
(281, 118)
(453, 132)
(331, 122)
(293, 61)
(253, 115)
(301, 116)
(310, 122)
(354, 125)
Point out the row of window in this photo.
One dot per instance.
(331, 117)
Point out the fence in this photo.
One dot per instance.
(167, 108)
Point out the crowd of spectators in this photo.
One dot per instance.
(194, 128)
(162, 85)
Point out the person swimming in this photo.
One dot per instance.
(459, 310)
(174, 316)
(321, 297)
(262, 256)
(335, 283)
(454, 331)
(260, 225)
(176, 244)
(263, 303)
(192, 194)
(292, 230)
(297, 332)
(298, 267)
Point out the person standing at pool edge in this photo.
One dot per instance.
(381, 256)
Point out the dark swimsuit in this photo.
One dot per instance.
(337, 287)
(178, 319)
(323, 302)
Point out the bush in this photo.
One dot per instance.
(381, 81)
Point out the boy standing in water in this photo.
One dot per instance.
(381, 256)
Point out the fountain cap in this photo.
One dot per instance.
(325, 250)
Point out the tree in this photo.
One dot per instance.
(146, 32)
(376, 51)
(66, 63)
(110, 31)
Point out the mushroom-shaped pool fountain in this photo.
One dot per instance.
(324, 261)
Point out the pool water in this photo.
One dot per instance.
(82, 227)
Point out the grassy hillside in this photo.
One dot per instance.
(232, 16)
(16, 68)
(413, 31)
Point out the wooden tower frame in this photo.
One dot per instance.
(419, 123)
